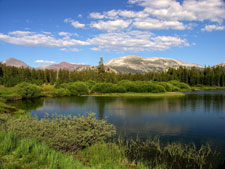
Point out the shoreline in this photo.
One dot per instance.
(166, 94)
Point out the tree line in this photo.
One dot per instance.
(208, 76)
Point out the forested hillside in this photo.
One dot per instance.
(210, 76)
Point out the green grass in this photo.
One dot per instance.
(107, 156)
(207, 88)
(171, 155)
(26, 153)
(167, 94)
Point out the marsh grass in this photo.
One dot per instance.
(107, 156)
(170, 156)
(26, 153)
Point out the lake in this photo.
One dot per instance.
(198, 117)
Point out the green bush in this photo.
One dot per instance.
(60, 92)
(62, 133)
(9, 94)
(75, 88)
(107, 88)
(180, 85)
(128, 85)
(168, 86)
(119, 89)
(90, 84)
(27, 90)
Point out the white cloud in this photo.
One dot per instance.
(96, 15)
(26, 38)
(47, 33)
(210, 28)
(111, 25)
(74, 23)
(69, 49)
(158, 24)
(95, 49)
(135, 41)
(64, 34)
(45, 61)
(192, 10)
(117, 41)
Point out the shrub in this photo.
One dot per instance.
(75, 88)
(180, 85)
(155, 88)
(141, 86)
(103, 88)
(168, 86)
(128, 85)
(90, 84)
(60, 92)
(119, 89)
(9, 94)
(27, 90)
(62, 133)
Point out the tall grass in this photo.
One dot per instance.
(172, 155)
(27, 153)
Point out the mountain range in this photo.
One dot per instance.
(126, 64)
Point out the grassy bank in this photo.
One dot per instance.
(207, 88)
(166, 94)
(16, 152)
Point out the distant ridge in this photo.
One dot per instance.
(15, 62)
(126, 64)
(62, 65)
(221, 64)
(137, 64)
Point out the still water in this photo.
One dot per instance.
(198, 117)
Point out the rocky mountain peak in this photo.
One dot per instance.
(14, 62)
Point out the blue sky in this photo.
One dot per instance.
(50, 31)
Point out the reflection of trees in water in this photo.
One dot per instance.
(28, 104)
(66, 102)
(135, 106)
(101, 102)
(209, 102)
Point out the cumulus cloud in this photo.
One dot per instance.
(117, 41)
(158, 24)
(135, 41)
(191, 10)
(74, 23)
(26, 38)
(210, 28)
(111, 25)
(45, 61)
(69, 49)
(96, 15)
(162, 14)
